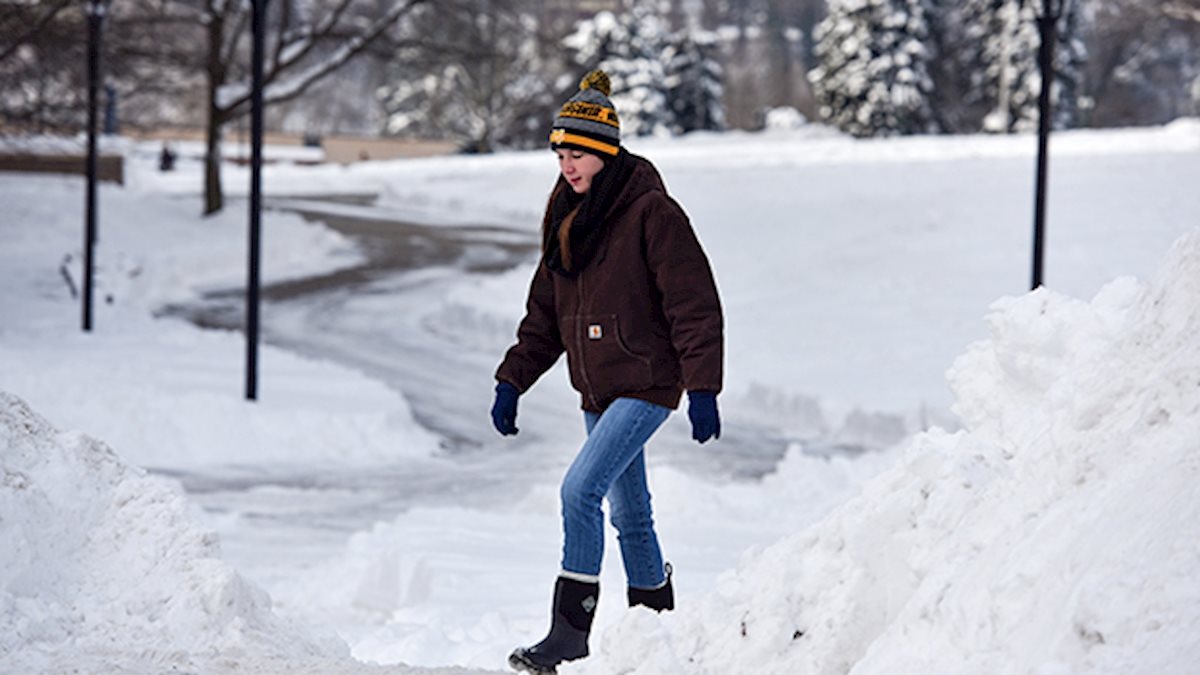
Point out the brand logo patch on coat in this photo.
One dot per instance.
(595, 332)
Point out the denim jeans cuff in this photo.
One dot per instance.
(580, 577)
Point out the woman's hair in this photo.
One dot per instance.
(562, 198)
(564, 238)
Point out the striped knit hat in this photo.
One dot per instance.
(588, 121)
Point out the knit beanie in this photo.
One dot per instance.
(588, 120)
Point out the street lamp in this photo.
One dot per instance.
(258, 28)
(1047, 21)
(96, 11)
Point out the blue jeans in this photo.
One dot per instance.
(612, 463)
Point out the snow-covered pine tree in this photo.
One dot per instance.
(873, 73)
(1002, 39)
(629, 47)
(484, 84)
(693, 81)
(950, 71)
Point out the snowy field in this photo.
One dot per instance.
(971, 484)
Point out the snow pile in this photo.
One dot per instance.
(101, 561)
(1059, 532)
(102, 569)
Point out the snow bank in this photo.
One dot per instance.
(103, 570)
(101, 561)
(1058, 532)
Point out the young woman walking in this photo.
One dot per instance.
(624, 288)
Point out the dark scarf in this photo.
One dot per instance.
(588, 227)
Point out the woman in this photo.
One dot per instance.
(624, 289)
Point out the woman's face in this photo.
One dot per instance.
(578, 167)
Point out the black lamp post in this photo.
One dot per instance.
(258, 28)
(1049, 13)
(96, 11)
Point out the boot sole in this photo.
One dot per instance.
(521, 663)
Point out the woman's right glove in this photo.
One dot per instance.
(504, 410)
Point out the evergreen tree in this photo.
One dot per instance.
(951, 70)
(693, 81)
(873, 75)
(485, 86)
(1002, 38)
(628, 46)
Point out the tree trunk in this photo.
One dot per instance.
(1002, 118)
(214, 200)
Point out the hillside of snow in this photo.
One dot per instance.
(1058, 532)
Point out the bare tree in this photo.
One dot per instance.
(304, 46)
(40, 49)
(1182, 10)
(173, 56)
(148, 63)
(1144, 60)
(21, 22)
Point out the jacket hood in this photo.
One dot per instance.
(643, 178)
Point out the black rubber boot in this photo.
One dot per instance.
(570, 624)
(657, 599)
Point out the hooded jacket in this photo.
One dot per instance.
(641, 318)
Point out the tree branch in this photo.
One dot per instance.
(36, 28)
(235, 37)
(1183, 11)
(305, 42)
(285, 25)
(300, 82)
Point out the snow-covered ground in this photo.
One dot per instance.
(1050, 528)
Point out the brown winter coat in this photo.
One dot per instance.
(641, 319)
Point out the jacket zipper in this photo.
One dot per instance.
(587, 383)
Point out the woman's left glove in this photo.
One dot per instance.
(504, 410)
(702, 411)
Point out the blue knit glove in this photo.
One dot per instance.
(702, 411)
(504, 410)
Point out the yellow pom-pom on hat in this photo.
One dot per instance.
(598, 80)
(588, 121)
